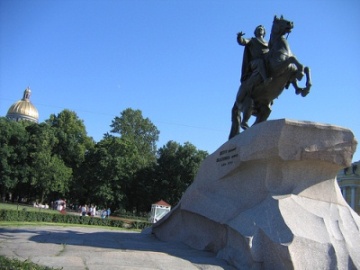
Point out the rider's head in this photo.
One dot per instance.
(259, 31)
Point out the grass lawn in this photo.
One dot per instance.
(27, 207)
(15, 264)
(15, 224)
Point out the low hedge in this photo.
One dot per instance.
(27, 216)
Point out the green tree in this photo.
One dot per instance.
(176, 170)
(71, 146)
(134, 128)
(73, 141)
(47, 172)
(106, 170)
(139, 137)
(13, 153)
(144, 189)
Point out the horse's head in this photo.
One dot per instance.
(281, 26)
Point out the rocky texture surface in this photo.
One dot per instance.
(269, 199)
(91, 248)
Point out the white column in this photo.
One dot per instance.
(344, 192)
(352, 204)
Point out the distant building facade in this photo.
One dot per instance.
(23, 109)
(349, 182)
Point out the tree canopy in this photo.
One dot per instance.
(124, 171)
(176, 169)
(133, 127)
(72, 140)
(13, 155)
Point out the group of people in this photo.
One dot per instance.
(91, 211)
(105, 213)
(87, 211)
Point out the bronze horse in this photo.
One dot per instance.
(284, 69)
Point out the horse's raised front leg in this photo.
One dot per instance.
(303, 91)
(299, 66)
(298, 90)
(306, 90)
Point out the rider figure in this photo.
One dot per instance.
(253, 64)
(254, 53)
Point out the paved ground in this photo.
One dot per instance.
(76, 248)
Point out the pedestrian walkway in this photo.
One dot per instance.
(75, 248)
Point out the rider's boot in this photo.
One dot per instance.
(266, 79)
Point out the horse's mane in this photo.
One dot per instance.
(275, 31)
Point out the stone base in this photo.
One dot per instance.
(269, 199)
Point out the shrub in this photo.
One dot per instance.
(117, 223)
(140, 225)
(28, 216)
(8, 215)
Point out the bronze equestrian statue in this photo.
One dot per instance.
(267, 69)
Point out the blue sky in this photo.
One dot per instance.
(176, 61)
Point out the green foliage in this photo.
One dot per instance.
(176, 170)
(47, 171)
(15, 264)
(111, 167)
(73, 141)
(71, 147)
(56, 159)
(103, 170)
(30, 216)
(13, 154)
(140, 225)
(137, 130)
(138, 136)
(9, 215)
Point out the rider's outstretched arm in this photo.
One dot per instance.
(242, 41)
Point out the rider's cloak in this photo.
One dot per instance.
(256, 48)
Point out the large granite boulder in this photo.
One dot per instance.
(268, 199)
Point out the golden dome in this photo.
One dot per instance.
(23, 109)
